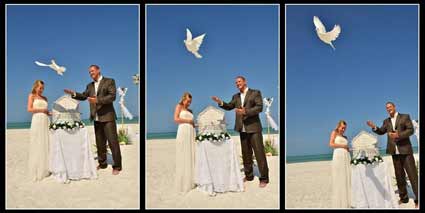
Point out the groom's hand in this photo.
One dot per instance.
(216, 99)
(241, 110)
(394, 135)
(371, 124)
(68, 91)
(92, 99)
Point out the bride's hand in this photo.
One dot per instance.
(192, 123)
(348, 149)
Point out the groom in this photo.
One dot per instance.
(399, 127)
(248, 104)
(101, 95)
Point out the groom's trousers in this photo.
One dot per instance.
(107, 131)
(249, 142)
(401, 163)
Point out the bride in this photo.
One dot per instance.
(185, 145)
(39, 133)
(341, 171)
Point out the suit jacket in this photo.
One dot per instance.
(106, 94)
(404, 127)
(253, 104)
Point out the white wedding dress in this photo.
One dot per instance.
(185, 154)
(341, 176)
(39, 143)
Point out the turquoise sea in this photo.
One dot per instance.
(27, 125)
(324, 157)
(172, 135)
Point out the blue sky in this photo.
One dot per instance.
(240, 40)
(76, 37)
(376, 60)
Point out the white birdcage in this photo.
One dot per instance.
(365, 145)
(66, 108)
(211, 120)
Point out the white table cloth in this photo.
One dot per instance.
(217, 167)
(372, 187)
(71, 157)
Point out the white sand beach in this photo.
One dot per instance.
(160, 179)
(308, 185)
(108, 191)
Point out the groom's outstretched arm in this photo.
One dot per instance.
(380, 130)
(110, 97)
(229, 106)
(82, 96)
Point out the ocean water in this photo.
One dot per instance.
(325, 157)
(27, 125)
(172, 135)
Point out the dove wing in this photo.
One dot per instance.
(54, 65)
(41, 64)
(136, 79)
(188, 35)
(120, 92)
(198, 41)
(126, 112)
(332, 35)
(320, 27)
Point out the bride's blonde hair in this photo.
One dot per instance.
(184, 97)
(35, 85)
(340, 122)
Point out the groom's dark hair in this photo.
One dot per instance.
(241, 77)
(95, 66)
(389, 102)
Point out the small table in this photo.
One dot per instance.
(372, 187)
(217, 167)
(71, 157)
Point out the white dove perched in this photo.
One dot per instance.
(121, 92)
(59, 69)
(193, 45)
(326, 37)
(268, 102)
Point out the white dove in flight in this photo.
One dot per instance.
(136, 79)
(193, 45)
(59, 69)
(326, 37)
(416, 128)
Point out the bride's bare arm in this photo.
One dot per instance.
(333, 144)
(31, 109)
(177, 119)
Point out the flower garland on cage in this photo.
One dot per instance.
(213, 137)
(366, 160)
(66, 125)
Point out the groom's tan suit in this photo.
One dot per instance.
(104, 117)
(402, 153)
(250, 130)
